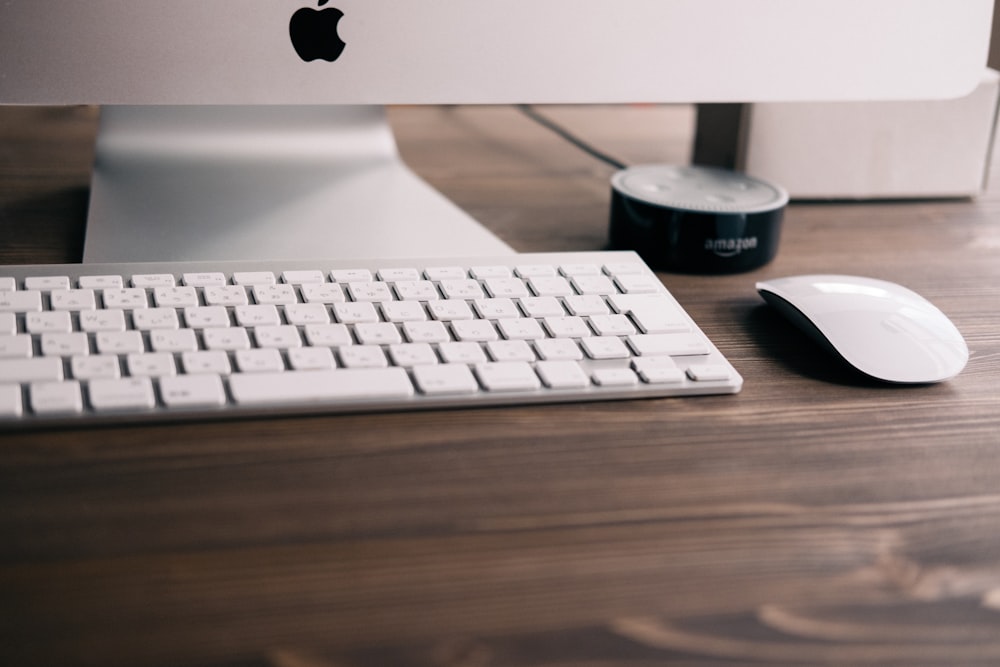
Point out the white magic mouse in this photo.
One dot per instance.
(882, 329)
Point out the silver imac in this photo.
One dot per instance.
(255, 130)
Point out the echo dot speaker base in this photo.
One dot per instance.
(696, 219)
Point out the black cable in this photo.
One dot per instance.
(551, 125)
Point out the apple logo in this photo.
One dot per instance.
(314, 33)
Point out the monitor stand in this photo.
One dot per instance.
(264, 182)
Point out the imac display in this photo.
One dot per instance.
(255, 130)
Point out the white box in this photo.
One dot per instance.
(865, 150)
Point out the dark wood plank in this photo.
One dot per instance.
(815, 518)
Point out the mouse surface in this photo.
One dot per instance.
(882, 329)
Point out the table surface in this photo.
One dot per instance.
(814, 518)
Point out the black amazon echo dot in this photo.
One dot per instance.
(696, 219)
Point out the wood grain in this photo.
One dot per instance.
(813, 519)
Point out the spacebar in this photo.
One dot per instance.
(319, 386)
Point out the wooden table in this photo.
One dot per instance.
(811, 519)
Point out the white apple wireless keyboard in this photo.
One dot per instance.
(86, 343)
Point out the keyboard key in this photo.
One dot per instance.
(369, 291)
(119, 342)
(449, 310)
(567, 327)
(445, 379)
(48, 322)
(355, 313)
(552, 286)
(416, 290)
(134, 393)
(303, 277)
(658, 369)
(558, 349)
(534, 270)
(204, 279)
(623, 268)
(520, 328)
(709, 373)
(46, 283)
(403, 311)
(542, 306)
(147, 280)
(95, 366)
(641, 363)
(462, 353)
(100, 282)
(506, 288)
(8, 324)
(7, 284)
(206, 317)
(301, 314)
(587, 304)
(147, 319)
(445, 273)
(614, 377)
(323, 293)
(192, 391)
(612, 325)
(351, 275)
(572, 270)
(329, 335)
(674, 345)
(20, 302)
(73, 299)
(496, 308)
(490, 271)
(311, 359)
(175, 297)
(274, 295)
(320, 386)
(65, 344)
(398, 275)
(510, 350)
(593, 285)
(363, 356)
(16, 346)
(35, 369)
(662, 375)
(562, 374)
(377, 333)
(10, 401)
(206, 361)
(461, 289)
(426, 332)
(639, 283)
(474, 330)
(259, 361)
(254, 278)
(507, 376)
(257, 315)
(49, 398)
(604, 347)
(127, 298)
(409, 355)
(282, 336)
(167, 340)
(226, 295)
(150, 364)
(93, 321)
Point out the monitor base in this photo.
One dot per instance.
(260, 182)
